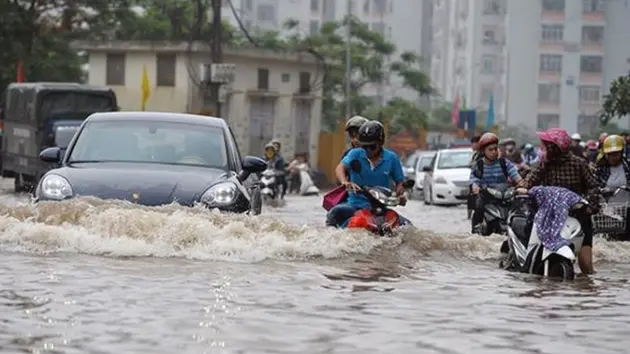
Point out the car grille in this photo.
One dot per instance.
(461, 184)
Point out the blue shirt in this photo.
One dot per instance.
(387, 169)
(493, 174)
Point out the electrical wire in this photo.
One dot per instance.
(318, 80)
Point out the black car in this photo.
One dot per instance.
(152, 159)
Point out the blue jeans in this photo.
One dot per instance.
(338, 215)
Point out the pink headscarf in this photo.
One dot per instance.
(556, 136)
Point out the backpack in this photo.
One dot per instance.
(479, 168)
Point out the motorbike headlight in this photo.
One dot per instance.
(220, 194)
(440, 180)
(494, 193)
(380, 196)
(55, 187)
(508, 194)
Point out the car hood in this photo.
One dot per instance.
(146, 184)
(454, 174)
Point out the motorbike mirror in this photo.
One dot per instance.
(408, 184)
(251, 164)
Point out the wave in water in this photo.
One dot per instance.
(120, 229)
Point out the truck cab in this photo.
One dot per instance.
(39, 115)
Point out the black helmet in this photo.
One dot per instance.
(355, 122)
(372, 132)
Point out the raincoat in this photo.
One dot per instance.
(553, 204)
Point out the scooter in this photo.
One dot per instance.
(307, 187)
(270, 190)
(497, 203)
(527, 254)
(380, 219)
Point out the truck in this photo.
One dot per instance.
(38, 115)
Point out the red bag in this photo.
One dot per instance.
(334, 197)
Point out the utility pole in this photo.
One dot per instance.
(348, 61)
(217, 56)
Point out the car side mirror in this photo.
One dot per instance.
(408, 184)
(51, 155)
(427, 169)
(252, 164)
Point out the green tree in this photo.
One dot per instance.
(617, 101)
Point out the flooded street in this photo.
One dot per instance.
(91, 276)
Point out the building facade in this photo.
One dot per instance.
(399, 21)
(270, 96)
(547, 62)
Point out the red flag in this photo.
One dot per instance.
(455, 111)
(20, 72)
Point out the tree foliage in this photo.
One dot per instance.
(617, 101)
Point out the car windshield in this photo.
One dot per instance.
(151, 142)
(454, 159)
(63, 135)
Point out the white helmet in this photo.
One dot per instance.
(576, 136)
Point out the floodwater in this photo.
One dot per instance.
(90, 276)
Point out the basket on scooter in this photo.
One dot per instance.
(611, 218)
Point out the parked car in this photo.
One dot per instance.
(409, 164)
(424, 160)
(446, 178)
(154, 158)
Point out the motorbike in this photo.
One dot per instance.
(611, 221)
(270, 190)
(307, 187)
(497, 203)
(525, 252)
(380, 219)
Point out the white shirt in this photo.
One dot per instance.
(617, 177)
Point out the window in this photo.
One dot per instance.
(314, 5)
(314, 26)
(379, 6)
(550, 63)
(491, 7)
(305, 82)
(592, 6)
(166, 69)
(553, 5)
(549, 93)
(489, 35)
(263, 79)
(366, 7)
(379, 27)
(587, 125)
(552, 33)
(547, 121)
(266, 13)
(489, 64)
(590, 94)
(591, 64)
(115, 70)
(592, 34)
(169, 143)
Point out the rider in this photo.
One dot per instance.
(282, 178)
(560, 168)
(275, 162)
(530, 157)
(613, 170)
(576, 148)
(592, 149)
(352, 129)
(369, 165)
(489, 170)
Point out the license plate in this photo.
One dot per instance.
(463, 193)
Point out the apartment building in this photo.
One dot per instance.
(400, 21)
(468, 55)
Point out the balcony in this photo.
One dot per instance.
(593, 39)
(553, 10)
(593, 11)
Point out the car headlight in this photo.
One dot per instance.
(220, 194)
(55, 187)
(440, 180)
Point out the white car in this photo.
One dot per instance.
(423, 161)
(446, 179)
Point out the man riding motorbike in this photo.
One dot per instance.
(352, 129)
(369, 165)
(283, 180)
(490, 169)
(592, 149)
(613, 170)
(275, 162)
(576, 148)
(560, 168)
